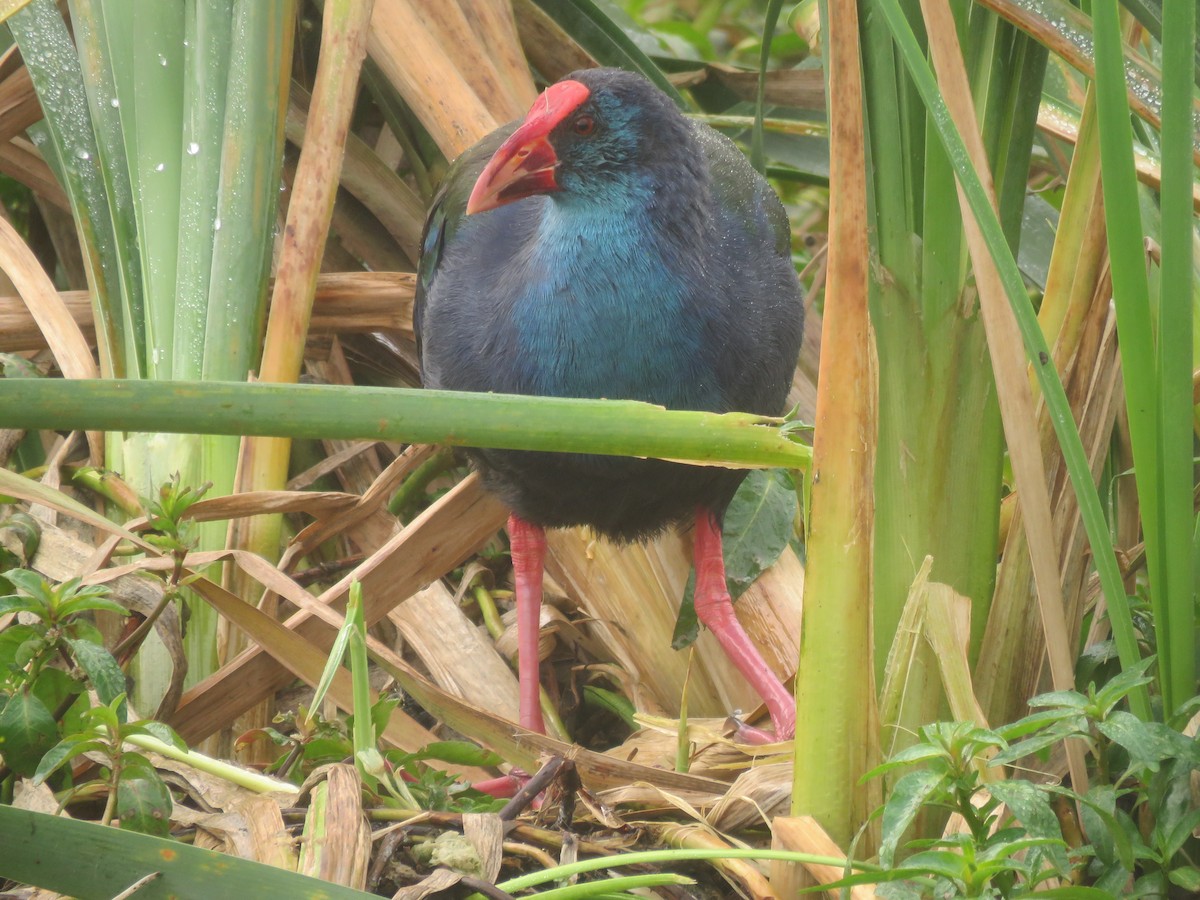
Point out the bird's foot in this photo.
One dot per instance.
(742, 733)
(504, 786)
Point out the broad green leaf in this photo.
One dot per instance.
(63, 752)
(1148, 743)
(79, 859)
(758, 525)
(143, 801)
(90, 599)
(1186, 877)
(32, 585)
(459, 752)
(53, 687)
(27, 732)
(15, 603)
(12, 640)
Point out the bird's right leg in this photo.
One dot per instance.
(528, 544)
(715, 609)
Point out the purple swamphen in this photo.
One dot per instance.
(607, 246)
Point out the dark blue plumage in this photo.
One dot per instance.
(607, 246)
(659, 271)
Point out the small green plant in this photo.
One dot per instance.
(136, 794)
(169, 527)
(992, 856)
(171, 530)
(1134, 827)
(49, 657)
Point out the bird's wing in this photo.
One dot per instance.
(739, 189)
(446, 212)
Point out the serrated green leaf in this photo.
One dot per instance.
(1148, 743)
(911, 792)
(1031, 807)
(102, 671)
(27, 732)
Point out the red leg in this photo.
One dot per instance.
(528, 543)
(715, 609)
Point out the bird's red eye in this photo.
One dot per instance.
(584, 125)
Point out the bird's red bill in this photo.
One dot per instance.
(524, 165)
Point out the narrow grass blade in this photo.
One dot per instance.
(1035, 345)
(1175, 357)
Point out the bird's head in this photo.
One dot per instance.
(584, 136)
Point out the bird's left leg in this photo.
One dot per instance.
(715, 609)
(528, 544)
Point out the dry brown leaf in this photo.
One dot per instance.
(368, 504)
(369, 179)
(348, 451)
(20, 161)
(551, 50)
(254, 503)
(802, 834)
(755, 798)
(63, 336)
(412, 60)
(345, 302)
(632, 595)
(19, 106)
(336, 843)
(496, 29)
(417, 555)
(743, 873)
(438, 881)
(457, 656)
(450, 27)
(485, 831)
